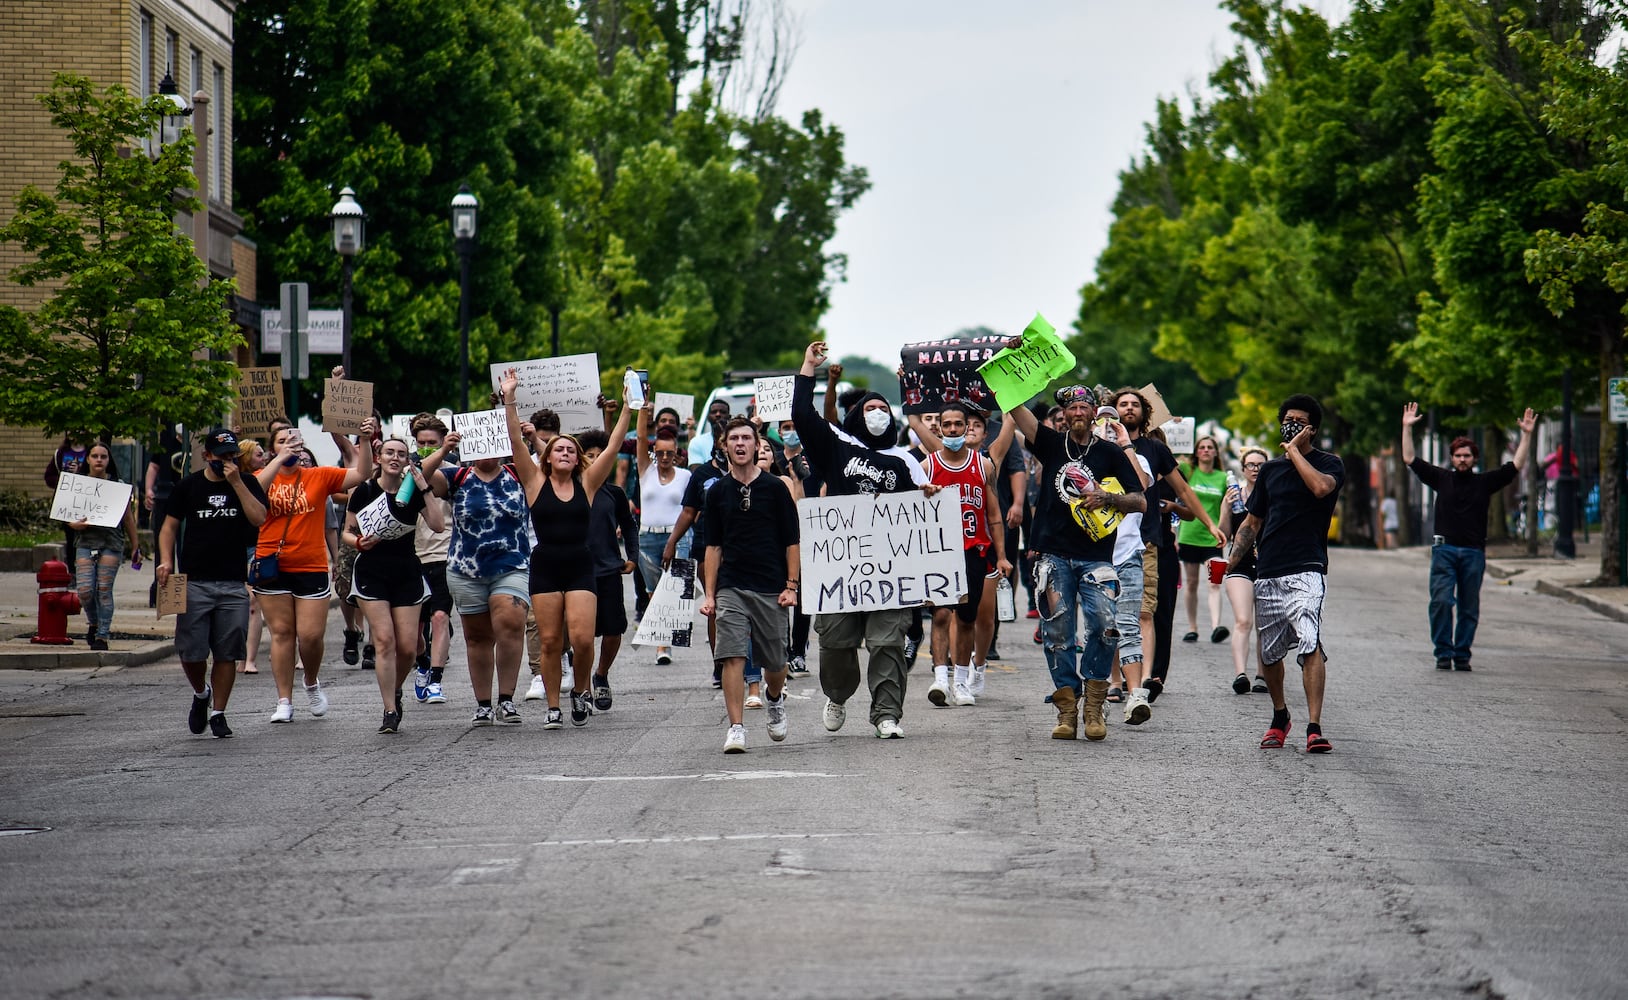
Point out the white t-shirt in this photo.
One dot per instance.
(659, 504)
(1129, 540)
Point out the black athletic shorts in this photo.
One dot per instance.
(980, 563)
(400, 590)
(435, 574)
(551, 574)
(611, 617)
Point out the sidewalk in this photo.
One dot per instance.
(1568, 579)
(19, 607)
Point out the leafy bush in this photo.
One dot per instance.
(22, 513)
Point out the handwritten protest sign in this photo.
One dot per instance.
(102, 502)
(569, 386)
(682, 402)
(485, 434)
(773, 397)
(890, 550)
(670, 618)
(401, 425)
(172, 595)
(1015, 374)
(259, 399)
(376, 519)
(345, 404)
(1179, 434)
(936, 372)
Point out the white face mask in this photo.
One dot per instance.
(878, 421)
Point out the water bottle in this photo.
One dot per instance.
(1005, 602)
(634, 389)
(408, 484)
(1236, 492)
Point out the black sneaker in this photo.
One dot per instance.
(369, 662)
(353, 641)
(391, 723)
(553, 720)
(1240, 684)
(507, 713)
(401, 707)
(97, 642)
(218, 726)
(1461, 664)
(198, 714)
(602, 693)
(910, 648)
(582, 706)
(994, 654)
(1155, 687)
(1443, 663)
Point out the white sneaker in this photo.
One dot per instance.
(753, 701)
(939, 693)
(1137, 709)
(319, 699)
(975, 678)
(777, 718)
(735, 742)
(835, 715)
(284, 711)
(889, 729)
(537, 692)
(960, 693)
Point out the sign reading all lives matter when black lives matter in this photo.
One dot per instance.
(346, 403)
(375, 519)
(102, 502)
(891, 550)
(936, 372)
(569, 386)
(670, 618)
(483, 434)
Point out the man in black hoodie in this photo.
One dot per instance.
(860, 459)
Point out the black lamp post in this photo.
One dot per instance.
(464, 208)
(175, 116)
(349, 225)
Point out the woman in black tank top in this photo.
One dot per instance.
(563, 598)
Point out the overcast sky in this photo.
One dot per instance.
(993, 134)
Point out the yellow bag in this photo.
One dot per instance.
(1103, 521)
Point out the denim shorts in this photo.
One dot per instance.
(472, 596)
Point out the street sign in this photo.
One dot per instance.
(324, 331)
(296, 302)
(1616, 390)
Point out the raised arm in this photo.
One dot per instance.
(930, 442)
(1411, 416)
(1529, 423)
(833, 374)
(362, 471)
(600, 471)
(432, 463)
(1023, 420)
(1002, 443)
(1320, 483)
(641, 446)
(531, 477)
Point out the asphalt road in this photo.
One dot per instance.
(1467, 837)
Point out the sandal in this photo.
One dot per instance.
(1154, 687)
(1317, 743)
(1190, 637)
(1259, 687)
(1115, 695)
(1273, 740)
(1240, 684)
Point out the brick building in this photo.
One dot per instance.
(134, 43)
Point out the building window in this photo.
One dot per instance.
(144, 86)
(172, 53)
(196, 75)
(217, 141)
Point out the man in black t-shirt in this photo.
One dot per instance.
(1458, 560)
(221, 510)
(1087, 487)
(1289, 512)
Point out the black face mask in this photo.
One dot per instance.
(1291, 430)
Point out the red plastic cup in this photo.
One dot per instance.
(1218, 570)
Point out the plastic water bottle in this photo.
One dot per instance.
(635, 389)
(1005, 601)
(1236, 492)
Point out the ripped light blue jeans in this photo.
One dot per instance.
(94, 571)
(1092, 588)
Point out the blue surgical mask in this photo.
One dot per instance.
(790, 439)
(956, 443)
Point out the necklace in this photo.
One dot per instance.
(1068, 448)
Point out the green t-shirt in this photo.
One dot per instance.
(1211, 488)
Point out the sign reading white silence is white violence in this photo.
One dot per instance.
(101, 502)
(871, 553)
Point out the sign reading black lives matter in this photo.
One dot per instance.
(936, 372)
(890, 550)
(375, 519)
(670, 618)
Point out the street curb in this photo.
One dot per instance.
(50, 658)
(1583, 597)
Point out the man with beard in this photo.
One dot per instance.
(852, 461)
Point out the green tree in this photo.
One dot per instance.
(112, 350)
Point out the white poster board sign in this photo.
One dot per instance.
(670, 618)
(891, 550)
(569, 386)
(774, 397)
(683, 402)
(1616, 390)
(376, 519)
(1179, 434)
(401, 425)
(485, 434)
(102, 502)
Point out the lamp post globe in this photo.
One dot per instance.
(465, 207)
(175, 115)
(349, 223)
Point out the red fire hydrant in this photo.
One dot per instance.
(58, 600)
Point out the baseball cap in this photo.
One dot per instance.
(221, 443)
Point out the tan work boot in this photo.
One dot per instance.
(1064, 699)
(1096, 693)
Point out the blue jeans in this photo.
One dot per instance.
(650, 545)
(1128, 609)
(94, 570)
(1068, 584)
(1455, 571)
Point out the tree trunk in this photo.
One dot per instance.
(1611, 472)
(1492, 455)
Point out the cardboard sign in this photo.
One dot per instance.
(670, 618)
(102, 502)
(773, 397)
(259, 399)
(1015, 374)
(936, 372)
(569, 386)
(485, 434)
(682, 402)
(172, 595)
(1158, 413)
(346, 403)
(888, 550)
(1179, 434)
(376, 519)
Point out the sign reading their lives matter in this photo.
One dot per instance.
(936, 372)
(345, 404)
(682, 402)
(670, 618)
(888, 550)
(772, 397)
(569, 386)
(172, 595)
(376, 519)
(1015, 374)
(484, 433)
(259, 399)
(102, 502)
(1179, 434)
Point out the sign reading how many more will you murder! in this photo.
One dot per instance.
(936, 372)
(569, 386)
(874, 552)
(1016, 374)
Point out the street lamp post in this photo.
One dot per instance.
(464, 208)
(349, 225)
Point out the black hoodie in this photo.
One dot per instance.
(849, 468)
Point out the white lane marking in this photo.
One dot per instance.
(708, 776)
(705, 838)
